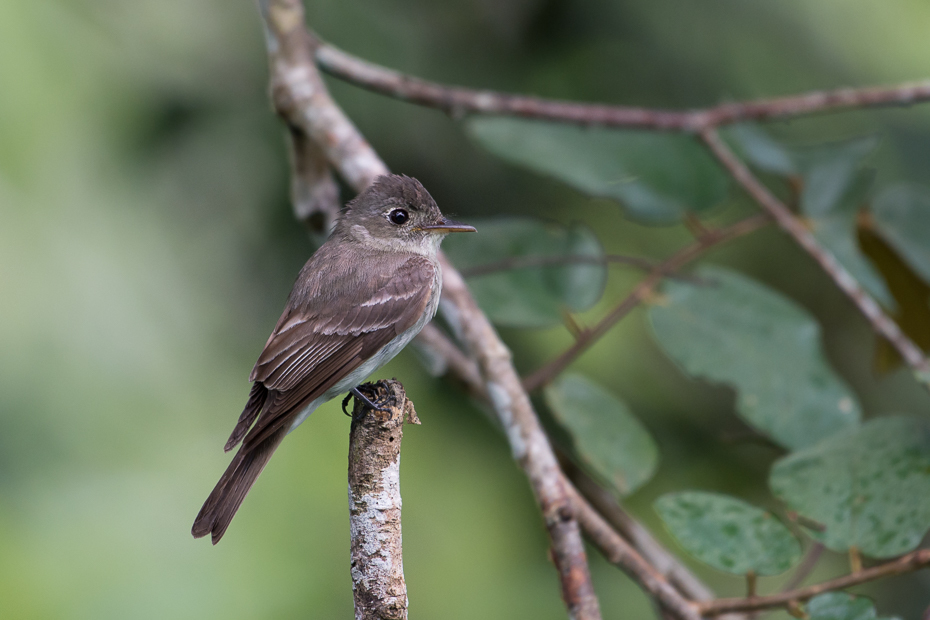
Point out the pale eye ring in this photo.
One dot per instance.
(399, 216)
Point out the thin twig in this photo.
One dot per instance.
(458, 101)
(377, 563)
(454, 361)
(528, 262)
(805, 568)
(913, 561)
(751, 580)
(855, 560)
(782, 215)
(301, 98)
(586, 339)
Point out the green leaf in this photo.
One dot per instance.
(902, 217)
(735, 331)
(579, 286)
(841, 606)
(656, 177)
(728, 533)
(539, 286)
(869, 487)
(612, 443)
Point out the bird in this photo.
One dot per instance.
(360, 298)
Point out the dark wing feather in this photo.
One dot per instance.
(283, 406)
(314, 347)
(253, 407)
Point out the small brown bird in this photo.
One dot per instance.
(362, 296)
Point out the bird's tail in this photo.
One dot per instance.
(227, 496)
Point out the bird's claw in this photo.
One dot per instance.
(377, 406)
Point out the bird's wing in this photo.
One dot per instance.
(319, 342)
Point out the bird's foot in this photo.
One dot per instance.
(377, 405)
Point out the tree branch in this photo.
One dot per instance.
(453, 360)
(913, 561)
(301, 98)
(619, 552)
(458, 101)
(806, 567)
(314, 193)
(782, 215)
(664, 562)
(374, 503)
(528, 443)
(587, 338)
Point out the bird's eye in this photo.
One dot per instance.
(399, 216)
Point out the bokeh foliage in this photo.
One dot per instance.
(146, 247)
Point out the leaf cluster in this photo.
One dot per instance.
(855, 486)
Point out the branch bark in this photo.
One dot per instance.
(915, 560)
(458, 101)
(301, 99)
(314, 193)
(374, 503)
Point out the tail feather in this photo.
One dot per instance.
(227, 496)
(253, 407)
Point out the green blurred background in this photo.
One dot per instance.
(147, 247)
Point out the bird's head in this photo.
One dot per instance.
(396, 213)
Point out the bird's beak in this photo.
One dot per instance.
(448, 226)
